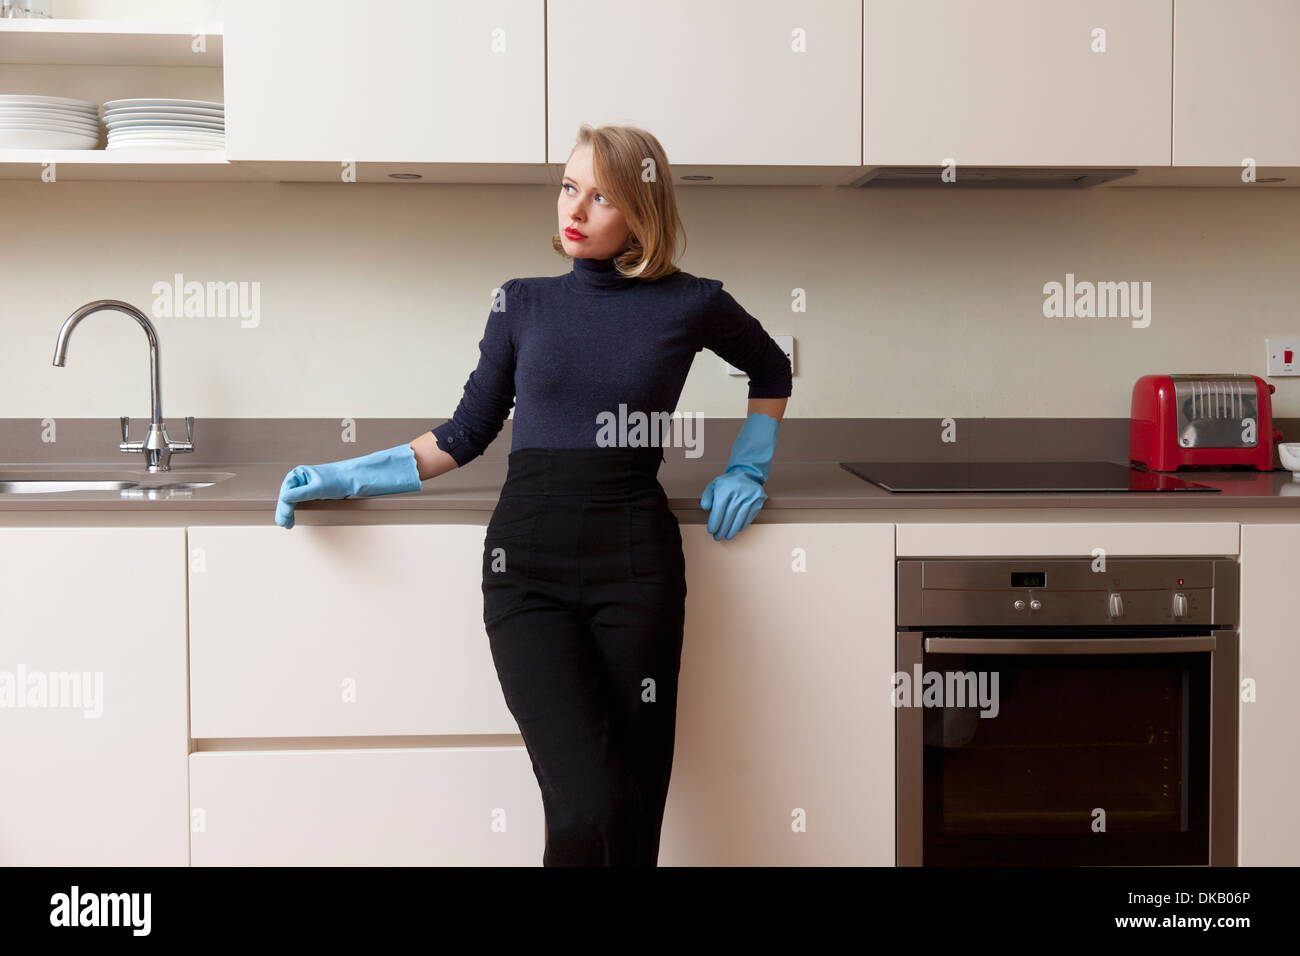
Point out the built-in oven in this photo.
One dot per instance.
(1069, 711)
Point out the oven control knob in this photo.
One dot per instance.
(1035, 604)
(1019, 605)
(1180, 605)
(1116, 605)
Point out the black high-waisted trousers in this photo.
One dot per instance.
(584, 590)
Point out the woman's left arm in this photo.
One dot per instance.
(734, 498)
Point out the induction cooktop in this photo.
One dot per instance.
(1015, 476)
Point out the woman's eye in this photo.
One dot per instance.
(598, 195)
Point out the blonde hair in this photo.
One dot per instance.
(650, 207)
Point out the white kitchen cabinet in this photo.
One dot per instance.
(1016, 82)
(1270, 660)
(377, 630)
(425, 806)
(459, 81)
(340, 630)
(784, 717)
(728, 82)
(1236, 82)
(94, 771)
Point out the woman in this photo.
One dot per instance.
(584, 580)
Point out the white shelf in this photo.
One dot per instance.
(145, 165)
(103, 165)
(109, 42)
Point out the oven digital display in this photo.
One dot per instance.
(1029, 579)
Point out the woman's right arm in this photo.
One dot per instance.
(431, 460)
(486, 402)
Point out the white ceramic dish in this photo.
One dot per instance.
(83, 128)
(162, 144)
(42, 117)
(165, 144)
(164, 130)
(19, 116)
(186, 137)
(147, 102)
(165, 111)
(47, 110)
(163, 124)
(165, 133)
(45, 139)
(30, 98)
(111, 121)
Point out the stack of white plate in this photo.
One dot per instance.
(47, 122)
(165, 124)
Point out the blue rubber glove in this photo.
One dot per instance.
(735, 497)
(384, 472)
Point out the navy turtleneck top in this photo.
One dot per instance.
(573, 346)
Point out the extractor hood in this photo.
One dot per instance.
(976, 177)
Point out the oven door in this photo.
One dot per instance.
(1114, 749)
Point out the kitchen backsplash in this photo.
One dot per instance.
(368, 301)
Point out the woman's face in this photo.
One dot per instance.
(590, 226)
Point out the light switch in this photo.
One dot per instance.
(1282, 357)
(786, 342)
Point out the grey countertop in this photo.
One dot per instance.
(794, 486)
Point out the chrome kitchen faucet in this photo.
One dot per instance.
(156, 445)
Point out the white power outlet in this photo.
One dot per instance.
(787, 346)
(1283, 357)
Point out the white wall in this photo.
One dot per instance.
(373, 297)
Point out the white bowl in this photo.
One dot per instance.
(1289, 453)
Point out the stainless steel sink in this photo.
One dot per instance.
(45, 479)
(27, 487)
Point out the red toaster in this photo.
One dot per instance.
(1202, 421)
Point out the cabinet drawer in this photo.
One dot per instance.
(1067, 538)
(470, 806)
(340, 631)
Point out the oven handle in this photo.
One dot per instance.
(1101, 645)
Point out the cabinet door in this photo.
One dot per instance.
(1270, 658)
(1016, 82)
(340, 631)
(728, 82)
(92, 697)
(459, 81)
(785, 730)
(455, 806)
(1236, 82)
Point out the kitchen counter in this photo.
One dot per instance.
(807, 483)
(794, 487)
